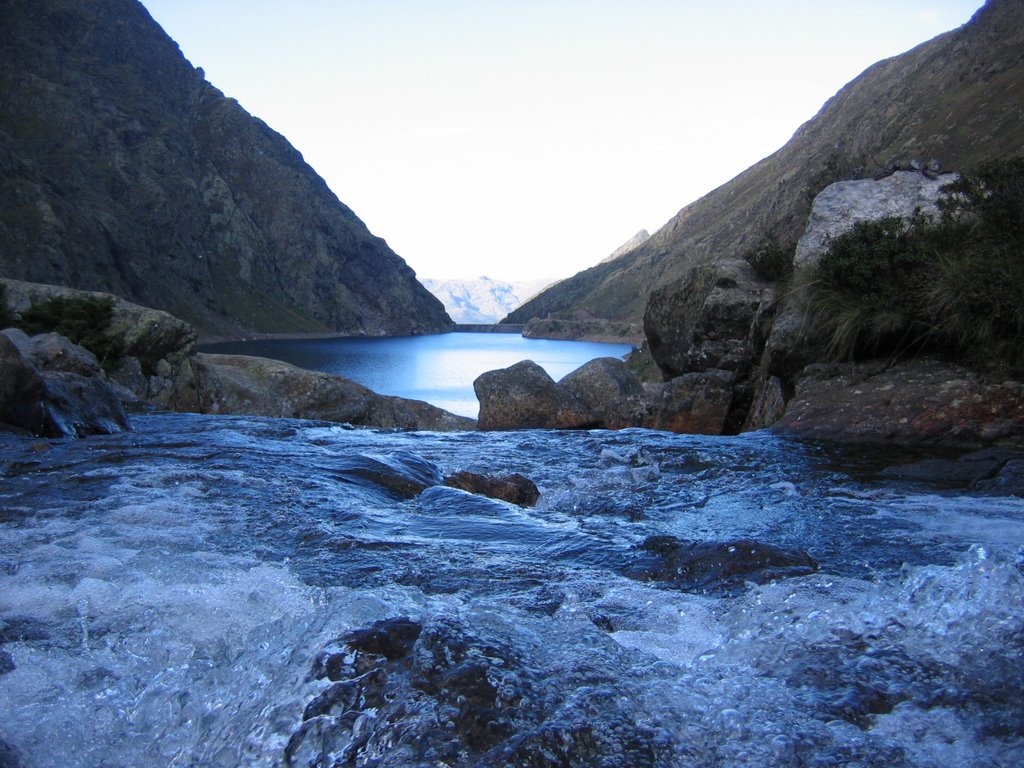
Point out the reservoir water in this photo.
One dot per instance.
(438, 369)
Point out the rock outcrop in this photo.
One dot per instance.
(50, 386)
(715, 318)
(123, 171)
(157, 347)
(237, 384)
(792, 342)
(602, 394)
(916, 402)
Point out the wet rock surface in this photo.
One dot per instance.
(21, 390)
(437, 692)
(514, 488)
(55, 402)
(918, 402)
(715, 566)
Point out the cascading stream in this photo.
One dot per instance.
(200, 593)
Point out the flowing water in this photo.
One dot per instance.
(217, 591)
(437, 368)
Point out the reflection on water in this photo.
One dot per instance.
(439, 369)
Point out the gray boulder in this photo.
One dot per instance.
(22, 390)
(793, 342)
(838, 207)
(917, 402)
(695, 403)
(157, 346)
(53, 352)
(78, 406)
(714, 318)
(608, 388)
(238, 384)
(523, 396)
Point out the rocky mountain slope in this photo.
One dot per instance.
(123, 170)
(482, 299)
(955, 99)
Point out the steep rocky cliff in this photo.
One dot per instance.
(123, 170)
(956, 99)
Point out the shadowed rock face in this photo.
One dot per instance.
(122, 170)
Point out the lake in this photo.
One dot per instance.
(439, 369)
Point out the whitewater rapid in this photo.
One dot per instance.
(170, 596)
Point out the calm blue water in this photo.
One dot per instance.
(439, 369)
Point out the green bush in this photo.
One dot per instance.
(953, 286)
(82, 319)
(771, 261)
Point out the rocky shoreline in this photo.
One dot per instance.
(53, 387)
(734, 352)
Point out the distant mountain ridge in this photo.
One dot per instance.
(956, 99)
(482, 299)
(122, 170)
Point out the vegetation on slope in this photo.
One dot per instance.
(82, 319)
(953, 286)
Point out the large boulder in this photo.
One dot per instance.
(696, 403)
(238, 384)
(524, 396)
(916, 402)
(53, 352)
(157, 347)
(608, 388)
(78, 406)
(55, 402)
(793, 342)
(714, 318)
(22, 390)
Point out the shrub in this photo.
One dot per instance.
(867, 288)
(954, 286)
(82, 319)
(771, 261)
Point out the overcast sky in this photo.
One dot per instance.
(528, 139)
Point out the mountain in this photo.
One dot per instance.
(955, 99)
(629, 246)
(481, 299)
(123, 170)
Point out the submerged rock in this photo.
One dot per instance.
(513, 488)
(439, 692)
(716, 565)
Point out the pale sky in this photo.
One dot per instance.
(529, 139)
